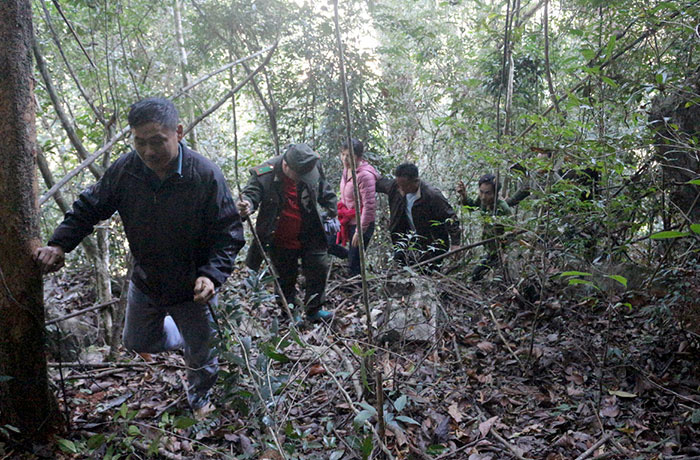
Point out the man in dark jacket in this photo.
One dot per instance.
(423, 224)
(288, 189)
(184, 232)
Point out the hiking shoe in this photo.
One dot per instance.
(321, 315)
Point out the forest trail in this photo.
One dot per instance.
(621, 384)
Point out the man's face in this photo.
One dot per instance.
(407, 185)
(157, 145)
(486, 194)
(289, 172)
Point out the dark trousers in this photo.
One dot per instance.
(314, 266)
(153, 328)
(354, 252)
(334, 249)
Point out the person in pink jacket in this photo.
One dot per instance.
(366, 178)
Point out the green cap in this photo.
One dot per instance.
(302, 160)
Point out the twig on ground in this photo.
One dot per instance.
(503, 339)
(592, 449)
(668, 390)
(514, 450)
(82, 312)
(351, 369)
(97, 375)
(106, 365)
(162, 452)
(454, 452)
(172, 404)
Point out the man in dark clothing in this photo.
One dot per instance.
(184, 232)
(423, 224)
(288, 189)
(490, 206)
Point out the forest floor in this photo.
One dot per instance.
(495, 376)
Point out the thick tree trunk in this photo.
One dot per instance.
(25, 399)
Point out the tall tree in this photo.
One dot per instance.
(25, 400)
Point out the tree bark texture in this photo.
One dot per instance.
(25, 399)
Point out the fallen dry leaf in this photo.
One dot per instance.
(485, 427)
(486, 347)
(622, 394)
(270, 455)
(610, 411)
(454, 411)
(574, 391)
(316, 369)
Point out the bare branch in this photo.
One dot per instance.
(54, 35)
(72, 31)
(228, 95)
(72, 135)
(85, 163)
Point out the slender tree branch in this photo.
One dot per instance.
(54, 35)
(72, 31)
(45, 170)
(530, 13)
(228, 95)
(84, 164)
(221, 69)
(132, 77)
(67, 126)
(550, 84)
(353, 168)
(83, 311)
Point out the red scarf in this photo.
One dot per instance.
(345, 216)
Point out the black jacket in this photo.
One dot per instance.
(179, 229)
(265, 191)
(433, 217)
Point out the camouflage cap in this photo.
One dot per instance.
(302, 160)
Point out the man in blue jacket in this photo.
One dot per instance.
(184, 232)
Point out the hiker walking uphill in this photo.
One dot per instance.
(423, 225)
(366, 180)
(490, 205)
(184, 233)
(288, 190)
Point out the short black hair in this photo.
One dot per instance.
(358, 148)
(407, 170)
(489, 179)
(154, 110)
